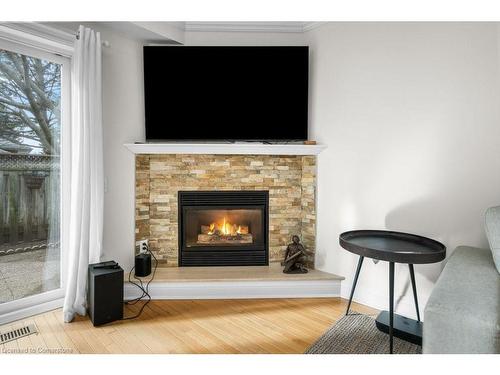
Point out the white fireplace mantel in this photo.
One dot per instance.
(247, 148)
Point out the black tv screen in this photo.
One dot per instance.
(226, 93)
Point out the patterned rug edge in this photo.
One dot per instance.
(357, 334)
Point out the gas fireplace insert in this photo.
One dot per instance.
(223, 228)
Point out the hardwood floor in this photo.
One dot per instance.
(191, 326)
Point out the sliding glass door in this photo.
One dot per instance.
(33, 97)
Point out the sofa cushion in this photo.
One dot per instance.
(462, 314)
(492, 226)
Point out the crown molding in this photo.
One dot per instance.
(308, 26)
(267, 27)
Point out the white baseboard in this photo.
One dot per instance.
(30, 311)
(238, 289)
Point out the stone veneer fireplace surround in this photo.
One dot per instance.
(286, 172)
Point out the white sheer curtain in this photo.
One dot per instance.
(87, 181)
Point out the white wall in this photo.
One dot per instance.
(123, 122)
(410, 114)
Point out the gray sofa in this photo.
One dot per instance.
(462, 314)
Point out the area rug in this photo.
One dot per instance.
(357, 334)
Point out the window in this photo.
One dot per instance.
(33, 92)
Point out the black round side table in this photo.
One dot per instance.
(393, 247)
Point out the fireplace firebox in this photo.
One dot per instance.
(223, 228)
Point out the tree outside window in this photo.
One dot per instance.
(30, 92)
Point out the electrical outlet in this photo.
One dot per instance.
(143, 245)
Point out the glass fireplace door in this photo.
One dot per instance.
(223, 227)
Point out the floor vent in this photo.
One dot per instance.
(17, 333)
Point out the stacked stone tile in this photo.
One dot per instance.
(291, 181)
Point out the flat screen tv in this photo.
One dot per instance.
(226, 93)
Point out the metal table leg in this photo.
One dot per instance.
(414, 287)
(396, 325)
(360, 263)
(391, 304)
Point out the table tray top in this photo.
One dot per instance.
(393, 246)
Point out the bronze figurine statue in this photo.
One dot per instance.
(295, 257)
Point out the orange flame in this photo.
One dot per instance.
(225, 228)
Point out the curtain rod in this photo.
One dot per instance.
(104, 43)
